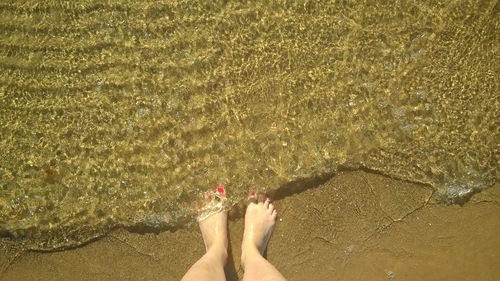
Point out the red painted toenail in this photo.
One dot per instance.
(220, 189)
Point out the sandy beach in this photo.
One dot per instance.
(355, 226)
(117, 116)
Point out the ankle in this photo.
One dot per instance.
(249, 252)
(218, 250)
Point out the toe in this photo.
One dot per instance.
(221, 190)
(274, 214)
(266, 203)
(271, 207)
(252, 198)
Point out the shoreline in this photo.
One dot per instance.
(356, 226)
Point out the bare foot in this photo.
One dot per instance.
(260, 218)
(213, 226)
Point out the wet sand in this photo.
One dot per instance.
(356, 226)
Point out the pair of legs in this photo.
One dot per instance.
(260, 218)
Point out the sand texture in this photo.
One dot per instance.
(356, 226)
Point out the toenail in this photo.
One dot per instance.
(220, 189)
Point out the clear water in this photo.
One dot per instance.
(121, 113)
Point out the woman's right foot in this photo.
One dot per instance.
(260, 218)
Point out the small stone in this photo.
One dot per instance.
(349, 249)
(390, 274)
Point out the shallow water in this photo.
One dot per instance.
(122, 114)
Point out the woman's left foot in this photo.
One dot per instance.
(213, 225)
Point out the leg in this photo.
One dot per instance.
(260, 218)
(210, 267)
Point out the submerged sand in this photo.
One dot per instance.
(356, 226)
(121, 113)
